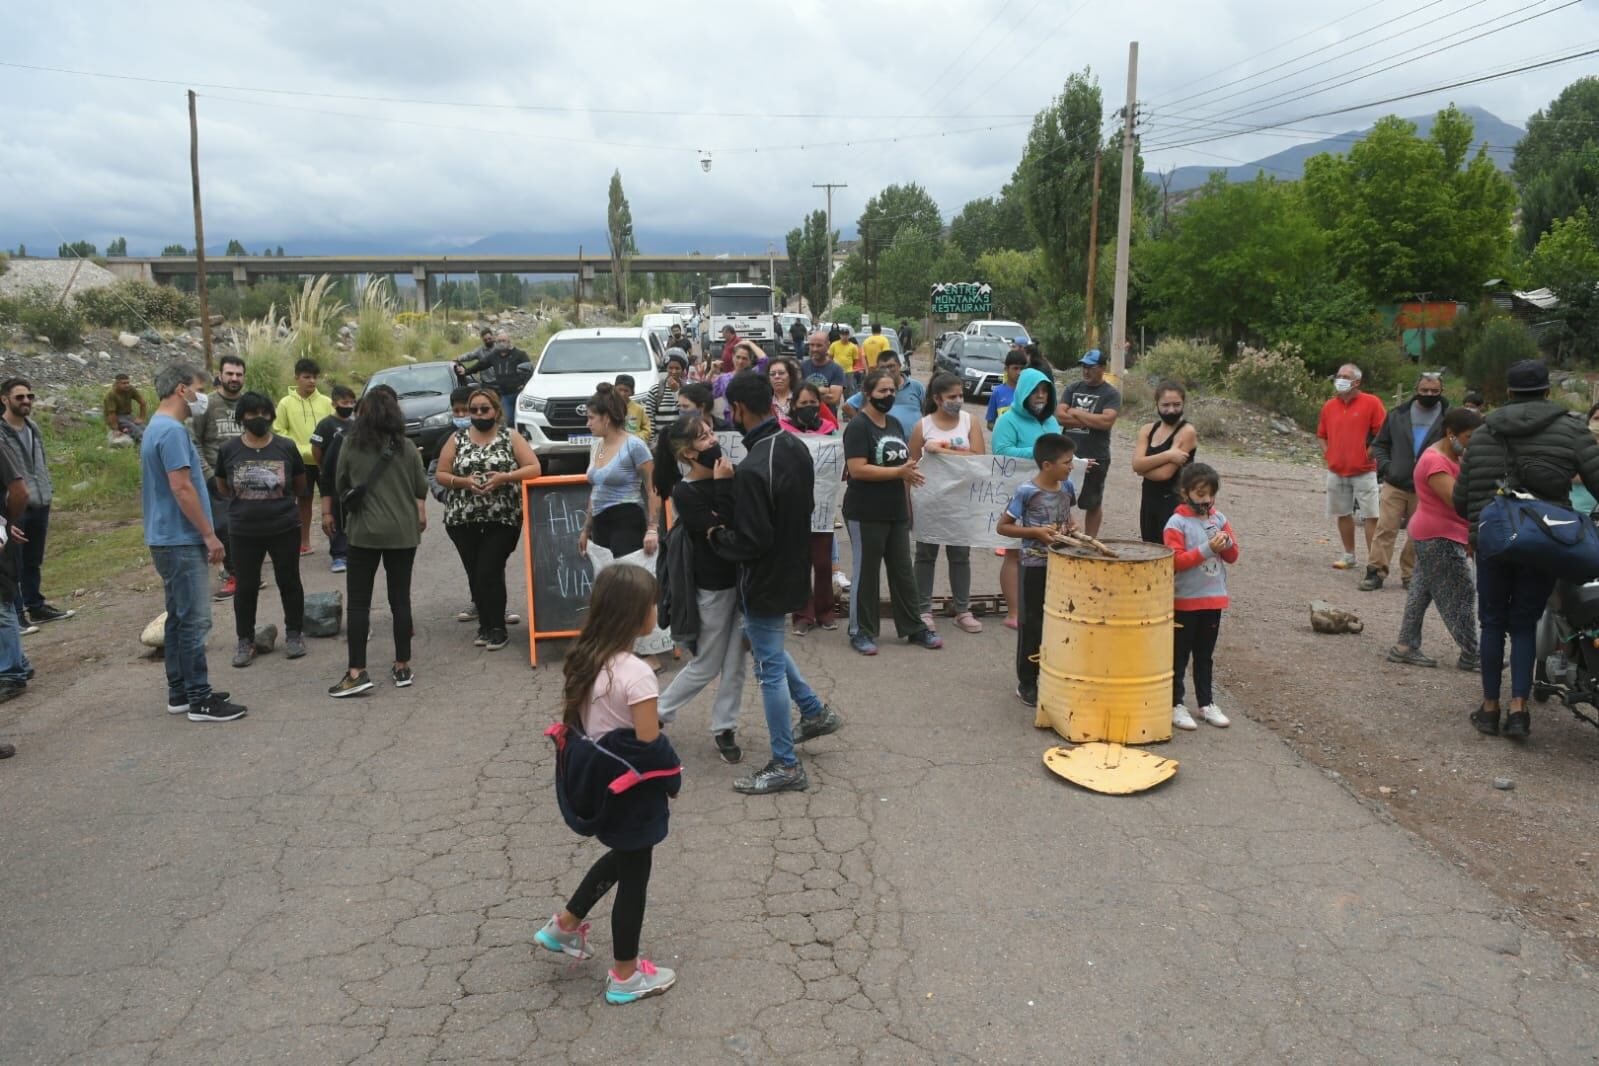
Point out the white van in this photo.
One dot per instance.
(997, 327)
(553, 408)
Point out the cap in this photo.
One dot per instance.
(1529, 375)
(1091, 358)
(1020, 342)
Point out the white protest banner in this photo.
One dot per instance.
(964, 495)
(656, 642)
(828, 455)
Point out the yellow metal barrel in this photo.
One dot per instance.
(1106, 656)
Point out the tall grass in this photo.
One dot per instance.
(374, 320)
(312, 314)
(267, 356)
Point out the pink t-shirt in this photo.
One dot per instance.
(624, 681)
(1435, 518)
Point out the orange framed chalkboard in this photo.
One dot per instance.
(558, 576)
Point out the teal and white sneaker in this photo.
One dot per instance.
(553, 938)
(648, 980)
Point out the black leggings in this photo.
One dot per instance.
(397, 564)
(629, 871)
(484, 547)
(1030, 633)
(248, 554)
(1195, 636)
(1155, 509)
(619, 529)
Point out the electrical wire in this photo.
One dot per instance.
(1022, 62)
(944, 73)
(983, 58)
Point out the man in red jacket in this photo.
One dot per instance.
(1349, 423)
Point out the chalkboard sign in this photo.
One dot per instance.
(559, 577)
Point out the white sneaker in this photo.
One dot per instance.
(1213, 716)
(1181, 719)
(1346, 561)
(648, 980)
(840, 582)
(553, 938)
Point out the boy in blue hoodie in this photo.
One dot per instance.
(1040, 508)
(1030, 415)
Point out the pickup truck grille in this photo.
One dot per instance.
(568, 414)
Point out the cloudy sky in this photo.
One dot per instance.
(444, 123)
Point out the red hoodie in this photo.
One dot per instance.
(1201, 580)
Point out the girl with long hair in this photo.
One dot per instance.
(1162, 450)
(946, 426)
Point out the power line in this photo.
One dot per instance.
(1022, 62)
(942, 74)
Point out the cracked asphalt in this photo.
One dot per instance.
(359, 882)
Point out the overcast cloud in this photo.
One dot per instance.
(93, 157)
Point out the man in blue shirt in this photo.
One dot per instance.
(822, 371)
(908, 399)
(182, 542)
(1004, 394)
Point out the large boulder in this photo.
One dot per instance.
(128, 340)
(324, 614)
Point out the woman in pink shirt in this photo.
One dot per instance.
(1443, 569)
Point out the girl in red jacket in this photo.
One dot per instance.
(1202, 540)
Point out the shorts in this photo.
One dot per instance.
(1092, 495)
(310, 482)
(1346, 495)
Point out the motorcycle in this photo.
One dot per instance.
(1568, 650)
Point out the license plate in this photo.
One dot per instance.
(580, 440)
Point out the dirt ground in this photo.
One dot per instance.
(1396, 736)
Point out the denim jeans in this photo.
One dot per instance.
(186, 580)
(35, 525)
(780, 682)
(14, 665)
(1510, 599)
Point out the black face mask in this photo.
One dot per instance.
(483, 425)
(257, 427)
(883, 404)
(344, 413)
(807, 417)
(1171, 418)
(1428, 401)
(709, 457)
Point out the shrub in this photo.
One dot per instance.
(1138, 394)
(267, 356)
(136, 305)
(1191, 364)
(41, 313)
(1385, 369)
(312, 313)
(1448, 346)
(1502, 342)
(1277, 380)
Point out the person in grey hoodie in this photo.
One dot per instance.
(19, 434)
(212, 429)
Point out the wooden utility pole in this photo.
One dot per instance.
(1090, 327)
(829, 186)
(1124, 223)
(199, 235)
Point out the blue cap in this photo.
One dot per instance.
(1091, 358)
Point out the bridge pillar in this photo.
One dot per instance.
(420, 274)
(585, 283)
(241, 274)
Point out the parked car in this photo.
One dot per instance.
(683, 311)
(553, 408)
(978, 360)
(424, 390)
(661, 325)
(997, 327)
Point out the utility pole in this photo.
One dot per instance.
(577, 290)
(1090, 327)
(199, 234)
(1423, 297)
(829, 186)
(1124, 223)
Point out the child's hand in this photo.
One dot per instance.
(1220, 543)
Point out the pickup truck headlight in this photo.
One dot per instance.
(972, 372)
(531, 404)
(436, 421)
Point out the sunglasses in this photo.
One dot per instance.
(480, 410)
(24, 396)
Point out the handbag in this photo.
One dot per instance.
(352, 497)
(1521, 528)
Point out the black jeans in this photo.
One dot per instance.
(1030, 634)
(248, 554)
(619, 529)
(484, 547)
(629, 871)
(1195, 636)
(1510, 600)
(35, 525)
(363, 573)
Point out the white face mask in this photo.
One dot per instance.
(202, 400)
(1343, 384)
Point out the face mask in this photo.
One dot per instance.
(1037, 406)
(1593, 427)
(257, 427)
(461, 421)
(1171, 418)
(501, 346)
(1454, 442)
(952, 408)
(344, 413)
(884, 404)
(1343, 384)
(1201, 509)
(807, 417)
(708, 458)
(1428, 402)
(482, 425)
(202, 400)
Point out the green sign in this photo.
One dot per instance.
(963, 298)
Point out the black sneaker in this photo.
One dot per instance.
(1518, 725)
(401, 676)
(773, 777)
(1469, 661)
(46, 613)
(10, 690)
(496, 639)
(1371, 582)
(178, 703)
(727, 747)
(482, 638)
(7, 750)
(1486, 721)
(216, 709)
(818, 725)
(351, 686)
(1028, 696)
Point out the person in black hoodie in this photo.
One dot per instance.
(1536, 446)
(614, 775)
(1408, 431)
(773, 495)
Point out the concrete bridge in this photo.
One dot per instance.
(419, 268)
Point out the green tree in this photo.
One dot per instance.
(991, 223)
(1406, 214)
(1569, 184)
(280, 251)
(22, 250)
(77, 250)
(1569, 124)
(236, 248)
(1503, 341)
(619, 234)
(117, 247)
(898, 207)
(175, 249)
(1567, 262)
(1018, 281)
(904, 278)
(809, 261)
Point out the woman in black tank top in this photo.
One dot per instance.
(1158, 460)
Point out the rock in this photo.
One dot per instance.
(412, 359)
(1279, 426)
(266, 638)
(104, 356)
(79, 486)
(155, 634)
(128, 340)
(1325, 618)
(118, 440)
(345, 332)
(324, 614)
(76, 358)
(152, 336)
(1504, 784)
(42, 339)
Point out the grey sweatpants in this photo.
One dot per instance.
(720, 654)
(1442, 578)
(960, 575)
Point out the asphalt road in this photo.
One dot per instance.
(359, 882)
